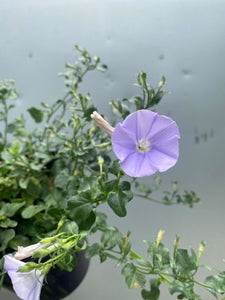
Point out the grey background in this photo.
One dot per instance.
(183, 40)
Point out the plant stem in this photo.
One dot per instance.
(6, 123)
(148, 198)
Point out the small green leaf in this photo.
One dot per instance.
(80, 208)
(5, 236)
(61, 181)
(32, 210)
(185, 290)
(9, 209)
(23, 182)
(115, 168)
(36, 114)
(69, 261)
(19, 240)
(111, 238)
(185, 263)
(93, 250)
(88, 184)
(216, 283)
(132, 276)
(117, 203)
(88, 221)
(7, 223)
(11, 128)
(143, 188)
(70, 227)
(154, 292)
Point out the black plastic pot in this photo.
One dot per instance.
(60, 283)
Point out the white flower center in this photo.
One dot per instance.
(143, 146)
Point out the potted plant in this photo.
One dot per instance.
(54, 178)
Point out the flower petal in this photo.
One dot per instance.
(164, 156)
(145, 120)
(145, 127)
(138, 165)
(123, 144)
(27, 285)
(163, 128)
(139, 123)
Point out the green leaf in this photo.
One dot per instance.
(162, 256)
(216, 283)
(69, 261)
(23, 182)
(185, 290)
(88, 221)
(159, 255)
(119, 197)
(19, 240)
(11, 128)
(5, 223)
(93, 250)
(32, 210)
(80, 208)
(61, 181)
(34, 187)
(117, 203)
(111, 238)
(36, 114)
(132, 276)
(5, 236)
(115, 168)
(99, 222)
(185, 263)
(70, 227)
(143, 188)
(9, 209)
(154, 292)
(88, 184)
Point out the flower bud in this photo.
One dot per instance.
(159, 237)
(102, 123)
(24, 252)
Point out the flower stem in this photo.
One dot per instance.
(148, 198)
(6, 123)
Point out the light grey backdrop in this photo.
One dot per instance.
(183, 40)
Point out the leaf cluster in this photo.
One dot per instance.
(177, 270)
(54, 177)
(146, 191)
(54, 170)
(148, 98)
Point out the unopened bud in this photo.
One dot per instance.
(24, 252)
(102, 123)
(27, 267)
(201, 249)
(159, 237)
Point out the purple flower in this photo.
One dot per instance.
(27, 285)
(146, 143)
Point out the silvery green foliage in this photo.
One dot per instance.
(54, 179)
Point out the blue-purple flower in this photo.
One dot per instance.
(27, 285)
(146, 143)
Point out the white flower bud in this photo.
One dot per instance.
(102, 123)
